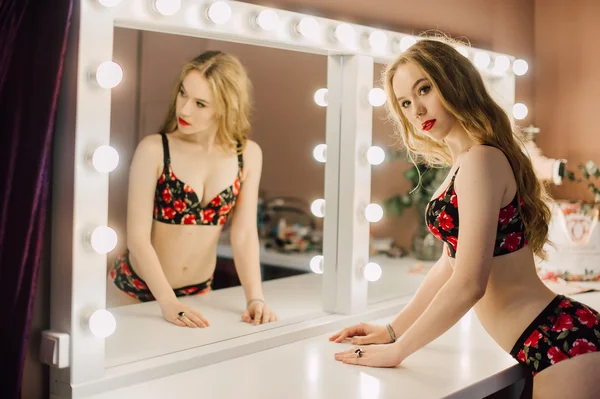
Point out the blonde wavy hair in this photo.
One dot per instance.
(463, 93)
(231, 89)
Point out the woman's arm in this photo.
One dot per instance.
(480, 187)
(143, 175)
(437, 276)
(244, 230)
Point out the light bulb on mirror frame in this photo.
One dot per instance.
(373, 213)
(481, 60)
(317, 207)
(267, 20)
(501, 64)
(102, 239)
(377, 97)
(372, 271)
(345, 34)
(463, 50)
(317, 264)
(375, 155)
(102, 323)
(104, 159)
(320, 153)
(307, 27)
(108, 75)
(219, 12)
(520, 111)
(167, 7)
(378, 41)
(520, 67)
(320, 97)
(406, 42)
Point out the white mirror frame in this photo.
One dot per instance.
(81, 193)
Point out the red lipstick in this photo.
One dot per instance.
(427, 125)
(183, 123)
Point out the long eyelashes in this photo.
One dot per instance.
(423, 90)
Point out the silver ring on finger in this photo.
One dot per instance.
(359, 352)
(180, 314)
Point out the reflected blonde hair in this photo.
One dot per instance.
(231, 89)
(463, 93)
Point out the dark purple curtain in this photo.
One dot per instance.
(33, 41)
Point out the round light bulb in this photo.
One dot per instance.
(309, 28)
(268, 20)
(481, 59)
(219, 12)
(520, 111)
(378, 40)
(320, 153)
(375, 155)
(346, 34)
(377, 97)
(103, 239)
(102, 323)
(105, 159)
(316, 264)
(318, 207)
(109, 3)
(374, 213)
(372, 271)
(109, 74)
(406, 42)
(463, 50)
(167, 7)
(501, 64)
(520, 67)
(321, 97)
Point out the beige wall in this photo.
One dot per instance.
(567, 80)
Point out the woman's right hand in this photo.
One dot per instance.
(192, 318)
(363, 334)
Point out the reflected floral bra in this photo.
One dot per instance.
(177, 203)
(441, 217)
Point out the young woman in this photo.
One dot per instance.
(185, 183)
(445, 116)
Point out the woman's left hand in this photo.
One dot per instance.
(258, 312)
(372, 356)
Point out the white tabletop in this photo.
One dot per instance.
(142, 333)
(464, 362)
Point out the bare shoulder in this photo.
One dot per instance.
(252, 159)
(484, 168)
(252, 150)
(252, 155)
(487, 160)
(150, 145)
(148, 156)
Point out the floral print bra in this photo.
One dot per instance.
(441, 216)
(177, 203)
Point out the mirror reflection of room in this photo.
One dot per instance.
(217, 185)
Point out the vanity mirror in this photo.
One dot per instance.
(312, 119)
(286, 125)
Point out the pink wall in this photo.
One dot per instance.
(567, 81)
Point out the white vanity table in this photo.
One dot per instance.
(462, 363)
(297, 298)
